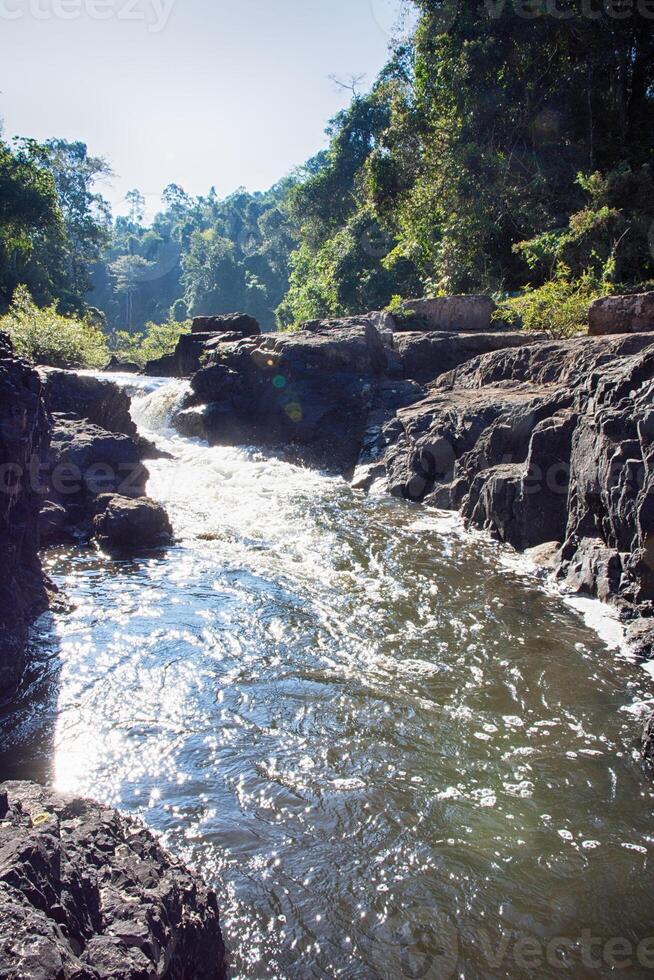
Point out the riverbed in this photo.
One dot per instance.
(391, 751)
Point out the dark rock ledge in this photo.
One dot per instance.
(88, 894)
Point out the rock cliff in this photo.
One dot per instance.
(24, 435)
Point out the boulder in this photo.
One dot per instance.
(24, 436)
(308, 392)
(216, 423)
(162, 367)
(640, 638)
(426, 355)
(647, 741)
(117, 366)
(622, 314)
(87, 460)
(238, 323)
(124, 524)
(54, 528)
(86, 893)
(460, 314)
(103, 403)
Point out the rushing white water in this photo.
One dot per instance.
(358, 723)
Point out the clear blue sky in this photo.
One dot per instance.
(199, 92)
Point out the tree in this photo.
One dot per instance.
(136, 203)
(86, 213)
(30, 222)
(128, 273)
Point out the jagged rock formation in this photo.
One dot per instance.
(533, 441)
(23, 448)
(309, 390)
(88, 894)
(546, 443)
(424, 356)
(322, 390)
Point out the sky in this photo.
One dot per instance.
(202, 93)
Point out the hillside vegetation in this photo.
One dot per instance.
(505, 149)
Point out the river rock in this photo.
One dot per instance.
(117, 366)
(236, 323)
(24, 435)
(622, 314)
(129, 525)
(450, 313)
(103, 403)
(426, 355)
(162, 367)
(88, 894)
(84, 462)
(309, 392)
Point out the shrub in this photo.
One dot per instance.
(559, 307)
(155, 341)
(46, 336)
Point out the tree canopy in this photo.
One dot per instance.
(505, 147)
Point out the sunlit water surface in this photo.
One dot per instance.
(357, 722)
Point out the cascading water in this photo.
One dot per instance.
(358, 724)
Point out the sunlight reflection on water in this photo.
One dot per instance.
(342, 708)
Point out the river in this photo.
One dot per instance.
(394, 752)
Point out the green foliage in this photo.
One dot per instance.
(201, 255)
(52, 224)
(610, 235)
(30, 221)
(150, 344)
(497, 146)
(46, 336)
(468, 154)
(559, 307)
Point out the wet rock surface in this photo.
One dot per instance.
(123, 524)
(86, 893)
(103, 403)
(309, 391)
(425, 355)
(534, 441)
(24, 434)
(95, 453)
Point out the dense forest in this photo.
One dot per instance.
(505, 148)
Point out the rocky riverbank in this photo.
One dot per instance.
(86, 893)
(24, 441)
(545, 445)
(539, 443)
